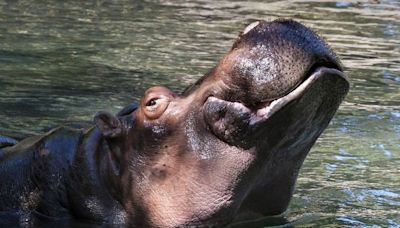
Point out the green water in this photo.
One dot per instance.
(63, 61)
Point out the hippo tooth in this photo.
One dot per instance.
(250, 27)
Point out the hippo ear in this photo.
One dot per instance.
(108, 124)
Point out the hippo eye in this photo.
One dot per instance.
(156, 101)
(151, 102)
(155, 107)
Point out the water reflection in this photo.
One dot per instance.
(61, 61)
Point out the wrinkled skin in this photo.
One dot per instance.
(228, 148)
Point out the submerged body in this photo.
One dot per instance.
(58, 176)
(228, 148)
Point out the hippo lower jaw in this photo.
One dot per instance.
(234, 122)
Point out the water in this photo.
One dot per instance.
(63, 61)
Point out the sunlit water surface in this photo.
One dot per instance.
(61, 61)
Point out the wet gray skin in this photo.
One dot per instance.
(227, 149)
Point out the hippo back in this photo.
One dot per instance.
(7, 141)
(31, 170)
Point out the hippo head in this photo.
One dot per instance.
(230, 146)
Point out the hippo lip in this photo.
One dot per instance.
(227, 117)
(272, 107)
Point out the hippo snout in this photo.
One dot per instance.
(269, 60)
(271, 65)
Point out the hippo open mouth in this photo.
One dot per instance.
(273, 106)
(233, 121)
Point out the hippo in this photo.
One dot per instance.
(7, 141)
(226, 149)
